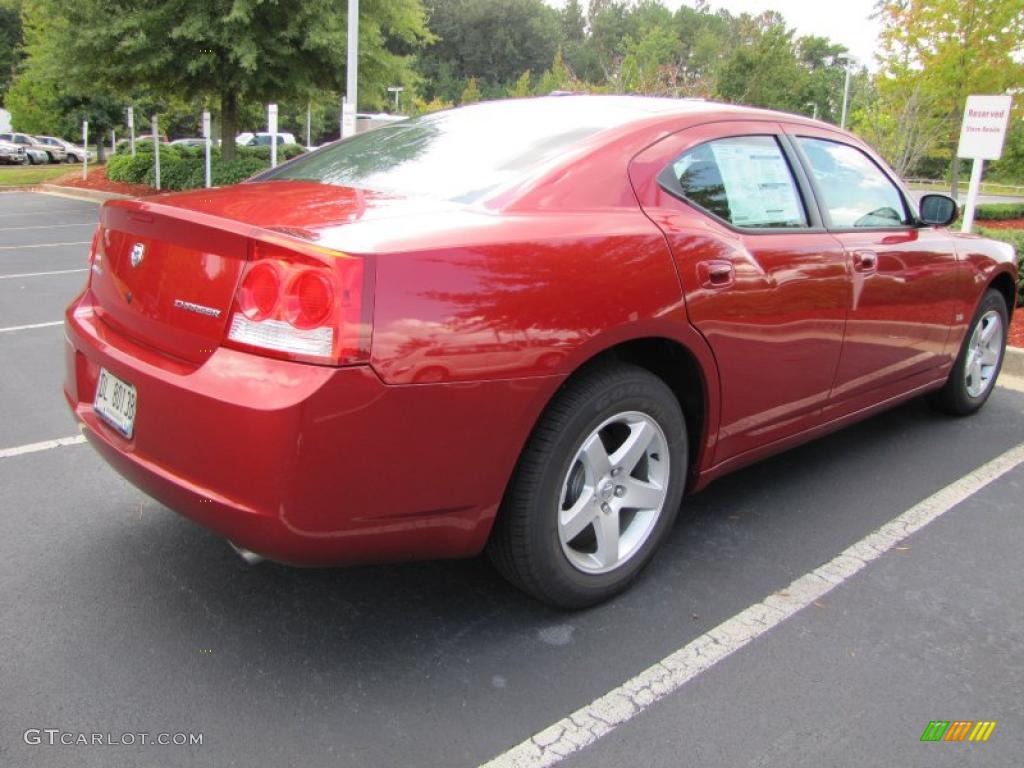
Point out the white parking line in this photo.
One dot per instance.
(601, 716)
(48, 211)
(6, 453)
(42, 274)
(49, 226)
(13, 328)
(41, 245)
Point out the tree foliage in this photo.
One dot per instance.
(225, 52)
(933, 54)
(494, 41)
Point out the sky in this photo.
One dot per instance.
(844, 21)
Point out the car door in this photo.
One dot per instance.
(904, 275)
(763, 281)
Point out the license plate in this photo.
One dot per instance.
(115, 402)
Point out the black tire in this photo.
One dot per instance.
(525, 545)
(955, 398)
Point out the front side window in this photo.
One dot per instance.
(855, 192)
(744, 180)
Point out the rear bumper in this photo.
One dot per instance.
(307, 464)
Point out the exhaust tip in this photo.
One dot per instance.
(247, 555)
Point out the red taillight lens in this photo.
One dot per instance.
(309, 299)
(302, 302)
(260, 291)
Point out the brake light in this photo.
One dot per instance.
(302, 302)
(96, 252)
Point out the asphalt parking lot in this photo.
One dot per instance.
(118, 617)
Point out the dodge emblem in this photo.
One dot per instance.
(138, 251)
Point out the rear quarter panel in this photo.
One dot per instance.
(521, 295)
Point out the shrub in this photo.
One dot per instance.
(999, 211)
(183, 167)
(234, 171)
(1014, 237)
(128, 169)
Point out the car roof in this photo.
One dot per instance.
(617, 109)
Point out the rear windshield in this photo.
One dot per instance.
(460, 155)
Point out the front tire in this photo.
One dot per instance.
(596, 489)
(977, 366)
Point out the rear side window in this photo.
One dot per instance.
(745, 180)
(855, 192)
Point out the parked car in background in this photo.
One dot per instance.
(57, 145)
(263, 139)
(527, 326)
(37, 156)
(74, 153)
(196, 141)
(12, 154)
(51, 154)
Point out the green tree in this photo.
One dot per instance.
(229, 51)
(471, 93)
(765, 71)
(651, 64)
(937, 52)
(10, 42)
(491, 40)
(556, 78)
(522, 86)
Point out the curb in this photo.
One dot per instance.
(1013, 362)
(92, 195)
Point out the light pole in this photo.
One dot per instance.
(396, 89)
(846, 95)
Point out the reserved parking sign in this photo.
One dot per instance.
(984, 127)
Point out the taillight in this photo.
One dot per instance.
(96, 252)
(302, 302)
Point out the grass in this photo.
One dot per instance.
(987, 187)
(27, 175)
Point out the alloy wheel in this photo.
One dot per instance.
(614, 492)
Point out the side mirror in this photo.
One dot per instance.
(938, 210)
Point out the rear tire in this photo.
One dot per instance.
(596, 489)
(977, 366)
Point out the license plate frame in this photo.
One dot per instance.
(116, 402)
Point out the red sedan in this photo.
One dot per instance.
(527, 326)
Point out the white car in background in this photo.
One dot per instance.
(36, 156)
(262, 139)
(75, 153)
(12, 154)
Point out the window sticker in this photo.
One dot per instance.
(757, 183)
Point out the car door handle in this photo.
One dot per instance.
(715, 274)
(865, 261)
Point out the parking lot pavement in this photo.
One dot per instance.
(933, 632)
(120, 617)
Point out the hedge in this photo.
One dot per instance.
(183, 167)
(1014, 237)
(999, 211)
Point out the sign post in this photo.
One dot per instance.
(348, 119)
(272, 130)
(156, 153)
(350, 105)
(981, 139)
(396, 89)
(85, 149)
(206, 146)
(131, 128)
